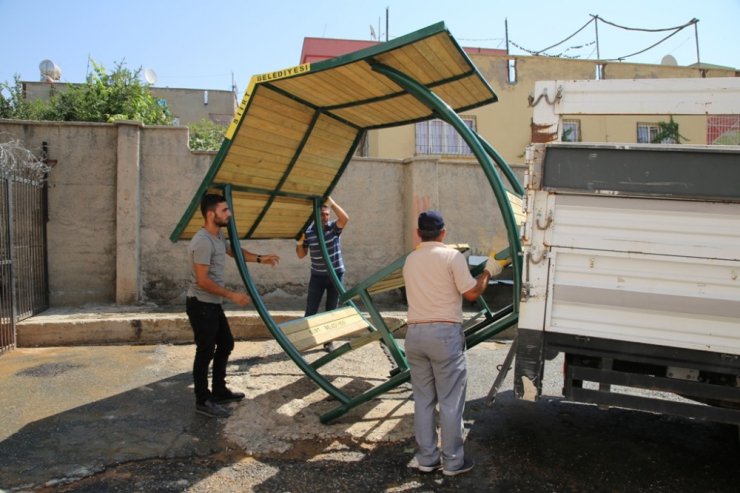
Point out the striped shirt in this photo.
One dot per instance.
(333, 245)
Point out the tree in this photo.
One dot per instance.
(104, 97)
(206, 135)
(668, 133)
(14, 106)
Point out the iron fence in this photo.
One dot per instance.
(23, 270)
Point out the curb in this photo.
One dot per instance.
(94, 329)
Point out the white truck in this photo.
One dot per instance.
(631, 255)
(631, 269)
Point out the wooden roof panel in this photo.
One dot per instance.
(296, 128)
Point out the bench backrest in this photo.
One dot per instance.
(314, 330)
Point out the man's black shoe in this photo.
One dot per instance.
(226, 396)
(212, 409)
(329, 347)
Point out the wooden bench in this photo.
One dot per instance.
(306, 333)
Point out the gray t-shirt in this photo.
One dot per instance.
(209, 250)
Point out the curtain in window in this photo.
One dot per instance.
(438, 137)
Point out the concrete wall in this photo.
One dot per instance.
(118, 190)
(82, 215)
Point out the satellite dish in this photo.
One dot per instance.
(669, 60)
(150, 76)
(50, 72)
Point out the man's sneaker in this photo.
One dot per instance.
(212, 410)
(431, 468)
(329, 347)
(467, 465)
(226, 396)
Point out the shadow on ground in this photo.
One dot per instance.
(144, 436)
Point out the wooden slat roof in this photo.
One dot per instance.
(297, 129)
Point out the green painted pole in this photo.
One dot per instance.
(265, 314)
(443, 110)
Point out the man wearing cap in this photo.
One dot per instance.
(437, 279)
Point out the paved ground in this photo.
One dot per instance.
(71, 413)
(120, 418)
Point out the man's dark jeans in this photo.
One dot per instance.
(213, 341)
(316, 287)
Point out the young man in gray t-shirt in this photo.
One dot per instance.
(213, 339)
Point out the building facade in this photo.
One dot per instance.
(508, 124)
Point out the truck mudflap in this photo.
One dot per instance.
(529, 364)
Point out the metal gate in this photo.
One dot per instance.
(23, 278)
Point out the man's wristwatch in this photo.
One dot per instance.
(259, 259)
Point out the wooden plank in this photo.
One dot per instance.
(248, 150)
(395, 109)
(318, 319)
(317, 87)
(277, 124)
(448, 54)
(373, 85)
(273, 137)
(311, 331)
(454, 96)
(517, 206)
(286, 109)
(327, 333)
(245, 180)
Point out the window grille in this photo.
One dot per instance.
(438, 137)
(723, 129)
(646, 132)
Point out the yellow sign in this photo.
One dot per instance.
(258, 79)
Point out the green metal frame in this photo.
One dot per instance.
(480, 331)
(484, 153)
(480, 328)
(347, 402)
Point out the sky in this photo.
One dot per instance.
(219, 44)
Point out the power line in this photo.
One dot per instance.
(595, 19)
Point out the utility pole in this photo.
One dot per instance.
(386, 23)
(696, 37)
(596, 27)
(506, 31)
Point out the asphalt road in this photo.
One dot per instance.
(120, 419)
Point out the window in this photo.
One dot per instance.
(599, 72)
(646, 132)
(571, 131)
(438, 137)
(512, 71)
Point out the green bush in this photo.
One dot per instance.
(206, 135)
(103, 97)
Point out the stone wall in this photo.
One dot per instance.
(118, 191)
